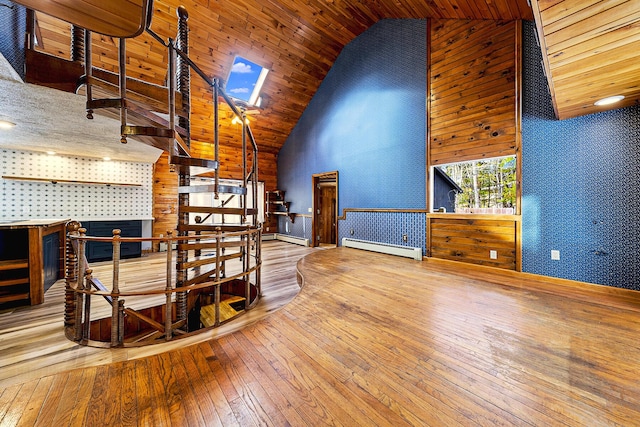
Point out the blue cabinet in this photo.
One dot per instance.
(103, 251)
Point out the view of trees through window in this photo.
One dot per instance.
(487, 186)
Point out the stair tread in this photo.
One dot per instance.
(212, 227)
(150, 94)
(227, 189)
(217, 210)
(197, 165)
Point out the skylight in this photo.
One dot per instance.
(245, 81)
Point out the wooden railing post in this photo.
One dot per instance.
(168, 323)
(82, 266)
(115, 291)
(184, 72)
(86, 323)
(77, 44)
(71, 275)
(247, 264)
(258, 244)
(88, 70)
(122, 69)
(218, 266)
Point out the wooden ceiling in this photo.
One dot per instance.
(593, 51)
(297, 40)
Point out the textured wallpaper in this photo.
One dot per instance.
(580, 182)
(39, 200)
(367, 122)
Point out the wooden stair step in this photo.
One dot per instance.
(233, 243)
(217, 210)
(226, 189)
(208, 312)
(206, 259)
(211, 228)
(149, 94)
(197, 166)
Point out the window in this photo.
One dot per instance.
(245, 81)
(478, 186)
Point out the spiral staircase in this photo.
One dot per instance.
(198, 293)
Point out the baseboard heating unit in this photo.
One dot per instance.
(385, 248)
(293, 239)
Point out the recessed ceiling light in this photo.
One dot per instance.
(106, 159)
(4, 124)
(51, 153)
(609, 100)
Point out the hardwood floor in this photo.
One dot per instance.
(32, 341)
(377, 340)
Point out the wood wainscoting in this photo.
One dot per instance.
(471, 238)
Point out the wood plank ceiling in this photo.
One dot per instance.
(297, 40)
(592, 52)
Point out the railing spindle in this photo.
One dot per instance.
(82, 266)
(115, 291)
(168, 321)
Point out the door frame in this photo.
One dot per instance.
(316, 179)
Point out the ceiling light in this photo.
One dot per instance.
(106, 159)
(609, 100)
(236, 120)
(4, 124)
(51, 153)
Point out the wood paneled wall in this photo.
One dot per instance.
(165, 198)
(147, 61)
(471, 239)
(473, 90)
(473, 114)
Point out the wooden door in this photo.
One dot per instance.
(327, 218)
(324, 221)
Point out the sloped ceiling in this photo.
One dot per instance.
(297, 40)
(592, 52)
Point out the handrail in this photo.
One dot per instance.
(81, 289)
(203, 75)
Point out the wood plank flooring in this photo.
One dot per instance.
(32, 341)
(377, 340)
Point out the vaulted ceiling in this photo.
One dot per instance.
(300, 40)
(297, 40)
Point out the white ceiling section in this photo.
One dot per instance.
(52, 120)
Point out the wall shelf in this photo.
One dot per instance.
(276, 205)
(70, 181)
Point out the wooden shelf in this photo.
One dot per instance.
(13, 264)
(276, 198)
(69, 181)
(13, 282)
(13, 297)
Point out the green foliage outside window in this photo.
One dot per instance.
(485, 184)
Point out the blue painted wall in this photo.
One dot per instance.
(580, 176)
(580, 183)
(367, 121)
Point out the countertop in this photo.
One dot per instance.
(30, 223)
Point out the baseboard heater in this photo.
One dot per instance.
(293, 239)
(385, 248)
